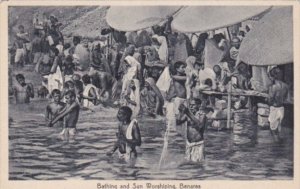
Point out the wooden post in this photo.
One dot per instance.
(107, 48)
(229, 35)
(229, 105)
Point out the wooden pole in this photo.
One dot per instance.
(229, 105)
(229, 35)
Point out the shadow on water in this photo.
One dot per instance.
(37, 152)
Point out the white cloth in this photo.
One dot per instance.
(131, 73)
(207, 73)
(50, 40)
(55, 80)
(129, 129)
(190, 71)
(20, 53)
(270, 68)
(163, 51)
(87, 103)
(127, 156)
(164, 81)
(60, 48)
(275, 117)
(194, 151)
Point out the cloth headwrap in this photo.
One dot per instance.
(163, 51)
(270, 68)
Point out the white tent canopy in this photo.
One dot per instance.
(133, 18)
(270, 42)
(195, 19)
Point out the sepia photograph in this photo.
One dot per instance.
(150, 92)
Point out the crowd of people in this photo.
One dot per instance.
(153, 72)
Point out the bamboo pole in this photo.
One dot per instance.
(229, 105)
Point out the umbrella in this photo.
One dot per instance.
(270, 42)
(205, 18)
(133, 18)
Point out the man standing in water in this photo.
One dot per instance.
(195, 119)
(54, 107)
(70, 114)
(23, 91)
(128, 136)
(278, 93)
(176, 95)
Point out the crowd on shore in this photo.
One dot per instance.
(152, 72)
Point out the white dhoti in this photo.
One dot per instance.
(194, 151)
(20, 53)
(275, 117)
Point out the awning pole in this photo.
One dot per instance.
(229, 105)
(228, 34)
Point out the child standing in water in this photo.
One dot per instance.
(23, 91)
(70, 115)
(128, 136)
(195, 119)
(54, 107)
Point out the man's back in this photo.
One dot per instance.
(278, 93)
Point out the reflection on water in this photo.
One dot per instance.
(36, 152)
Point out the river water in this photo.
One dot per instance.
(36, 152)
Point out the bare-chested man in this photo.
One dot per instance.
(70, 115)
(176, 94)
(54, 107)
(196, 120)
(278, 94)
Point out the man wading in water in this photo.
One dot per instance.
(128, 136)
(278, 93)
(195, 119)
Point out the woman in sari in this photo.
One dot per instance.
(132, 97)
(162, 50)
(152, 99)
(192, 75)
(133, 72)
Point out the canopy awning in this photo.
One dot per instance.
(195, 19)
(133, 18)
(270, 42)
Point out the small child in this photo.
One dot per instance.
(196, 120)
(90, 92)
(23, 91)
(128, 136)
(54, 107)
(70, 115)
